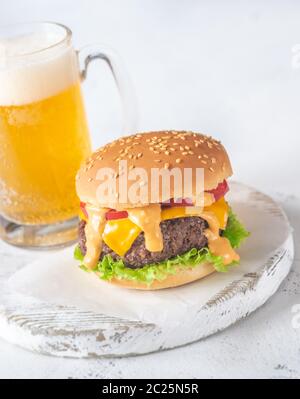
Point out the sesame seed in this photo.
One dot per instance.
(157, 160)
(166, 165)
(204, 162)
(178, 160)
(199, 156)
(187, 147)
(185, 153)
(211, 169)
(167, 152)
(131, 167)
(205, 156)
(191, 153)
(90, 179)
(213, 160)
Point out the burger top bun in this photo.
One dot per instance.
(160, 150)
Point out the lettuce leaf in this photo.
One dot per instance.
(235, 231)
(78, 254)
(109, 268)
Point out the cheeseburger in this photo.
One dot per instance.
(154, 213)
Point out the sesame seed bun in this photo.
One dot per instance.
(183, 276)
(163, 150)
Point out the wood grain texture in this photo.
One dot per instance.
(70, 332)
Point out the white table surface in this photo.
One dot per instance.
(222, 68)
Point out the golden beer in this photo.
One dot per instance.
(44, 136)
(42, 145)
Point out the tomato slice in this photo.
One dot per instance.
(113, 215)
(220, 191)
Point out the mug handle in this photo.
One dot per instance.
(91, 53)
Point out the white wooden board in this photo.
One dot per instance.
(68, 331)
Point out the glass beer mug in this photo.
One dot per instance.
(44, 136)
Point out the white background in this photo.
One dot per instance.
(219, 67)
(223, 68)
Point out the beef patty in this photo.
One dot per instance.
(179, 236)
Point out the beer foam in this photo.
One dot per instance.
(35, 75)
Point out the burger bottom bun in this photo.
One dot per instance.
(183, 276)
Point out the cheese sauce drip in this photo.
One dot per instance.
(93, 231)
(219, 246)
(148, 219)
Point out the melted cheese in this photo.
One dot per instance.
(219, 246)
(173, 213)
(81, 215)
(120, 234)
(220, 209)
(148, 219)
(94, 229)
